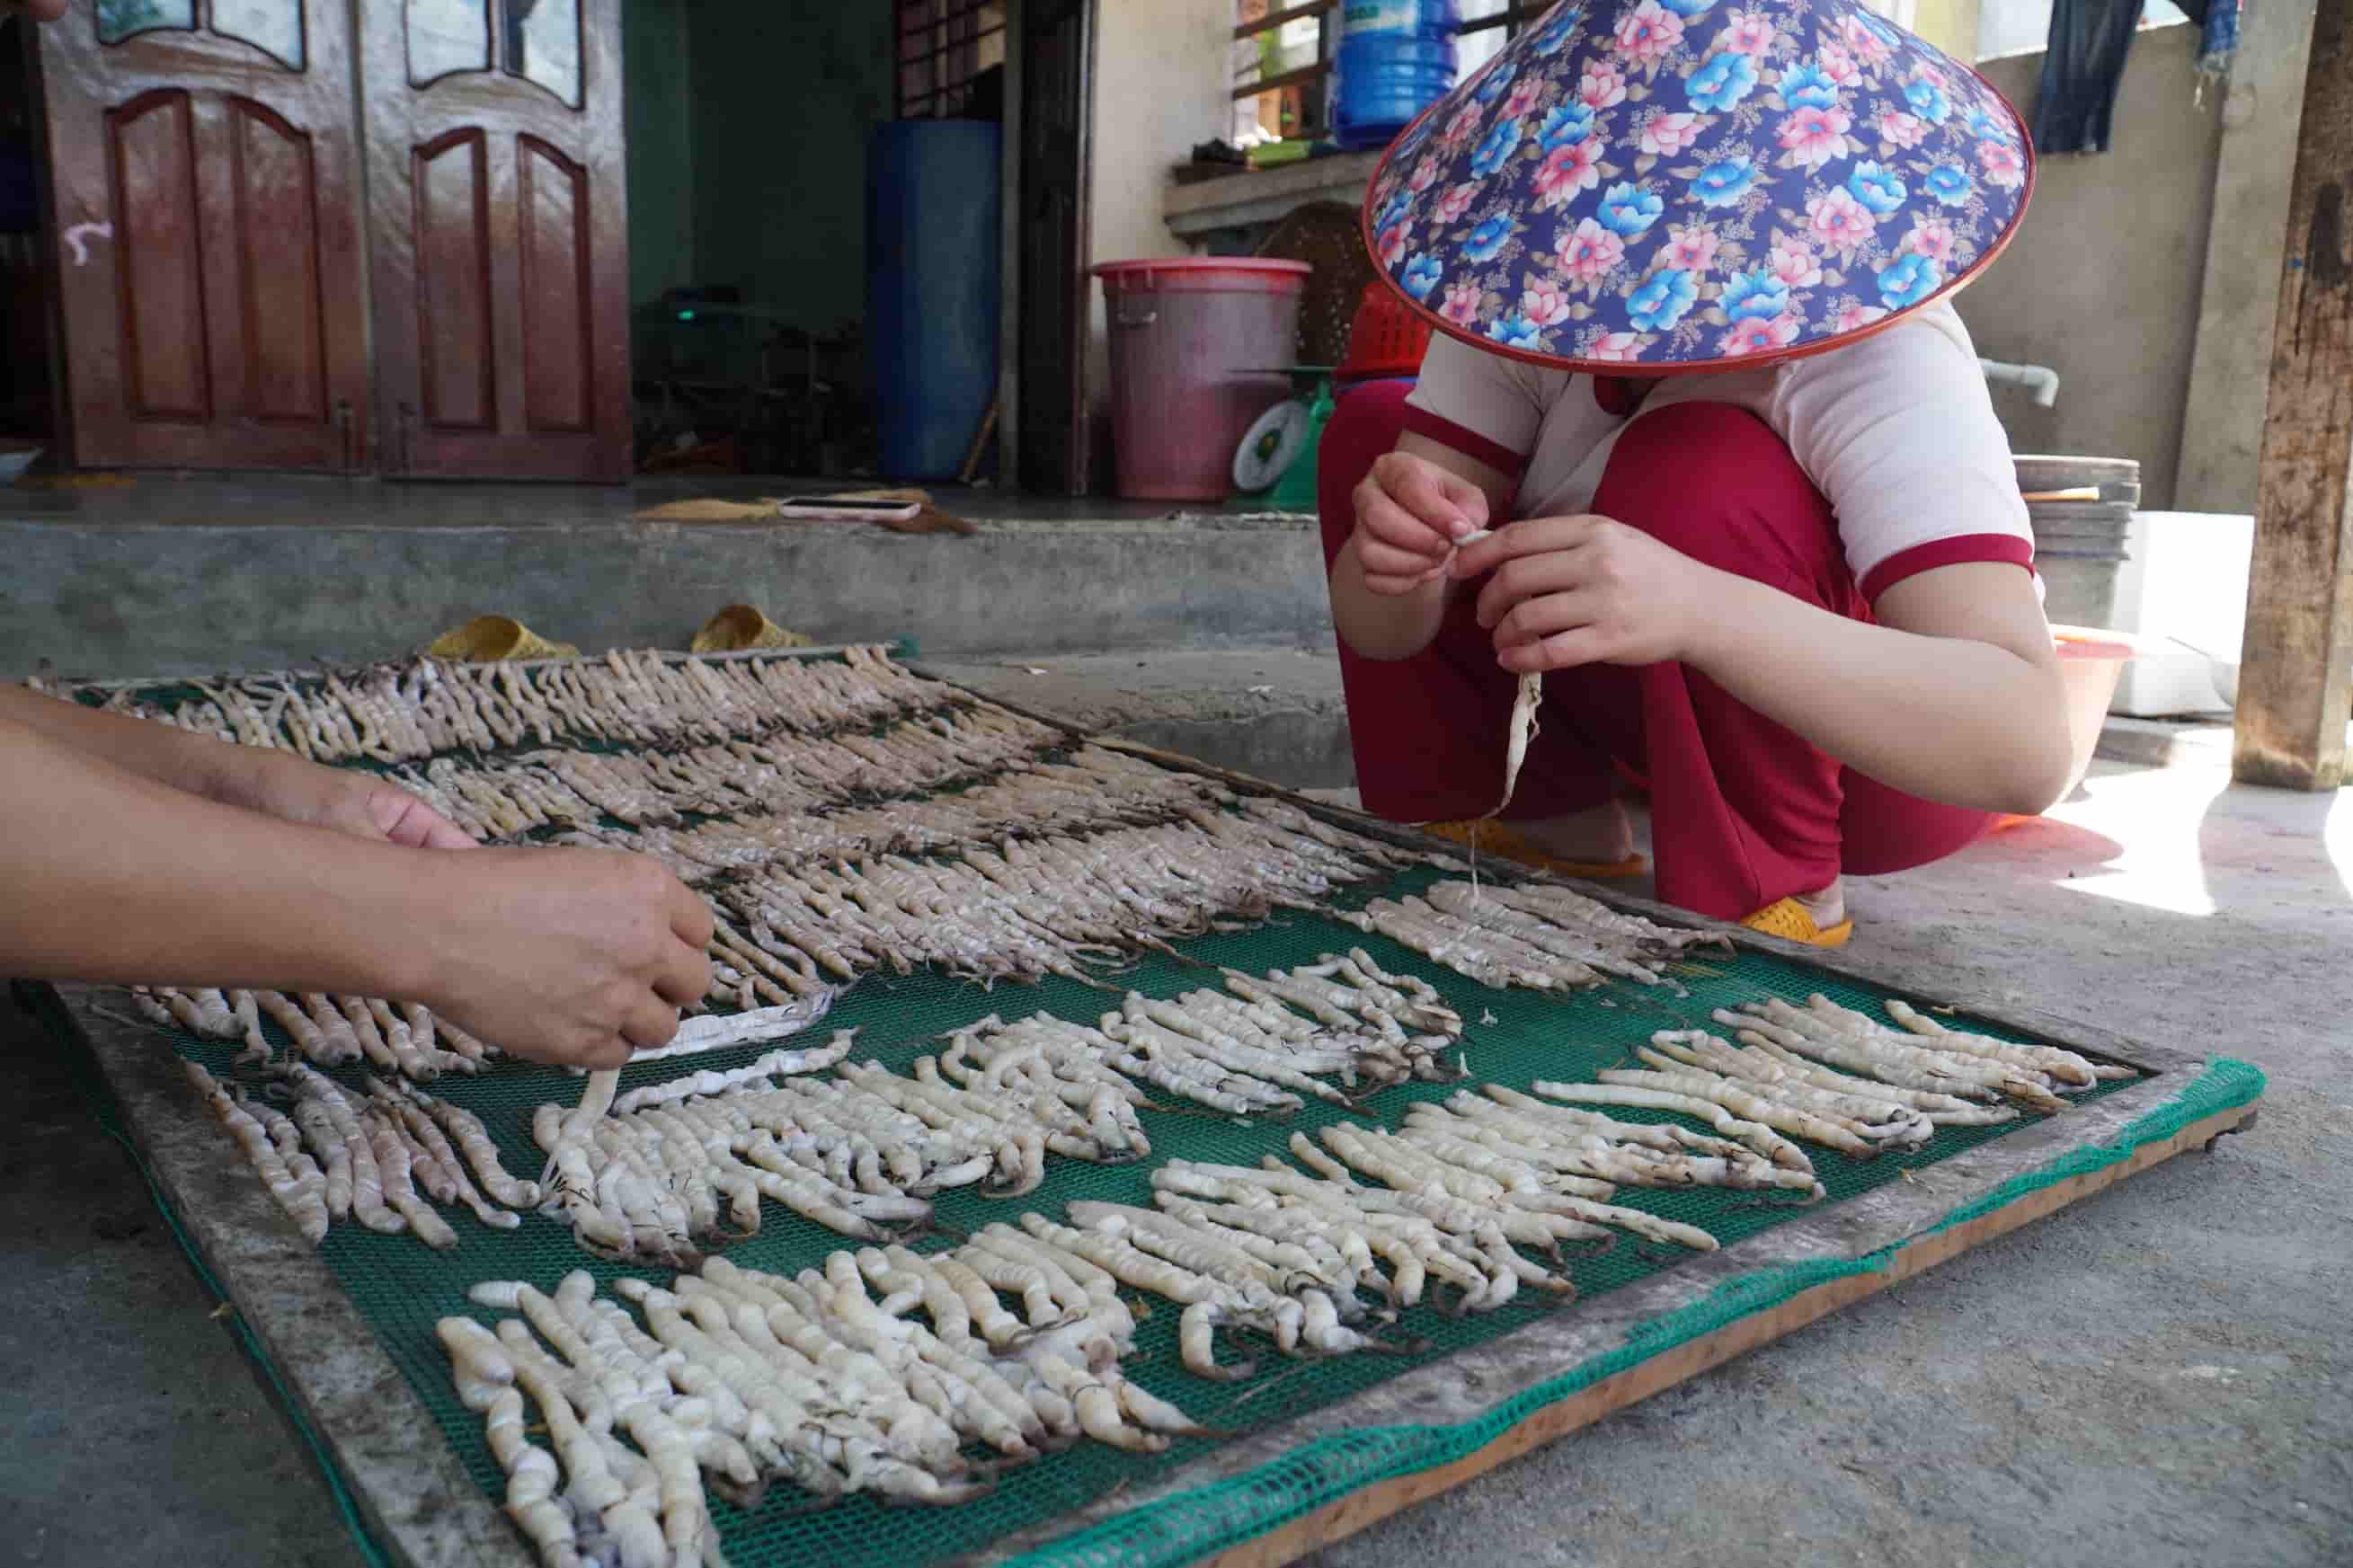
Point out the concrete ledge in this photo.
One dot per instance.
(127, 598)
(1265, 195)
(1275, 713)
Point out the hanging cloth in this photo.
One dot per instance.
(2082, 67)
(2218, 26)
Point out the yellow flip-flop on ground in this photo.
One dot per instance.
(1792, 921)
(485, 639)
(741, 627)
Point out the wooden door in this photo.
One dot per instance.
(205, 218)
(1057, 76)
(498, 236)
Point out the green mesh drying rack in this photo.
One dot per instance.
(1301, 1437)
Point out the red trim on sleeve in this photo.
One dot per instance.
(2005, 548)
(1470, 443)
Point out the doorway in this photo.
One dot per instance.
(563, 239)
(1056, 170)
(748, 129)
(752, 272)
(29, 415)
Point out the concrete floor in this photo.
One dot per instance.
(2162, 1375)
(130, 1416)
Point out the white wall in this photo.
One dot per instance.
(2007, 27)
(2105, 279)
(1160, 89)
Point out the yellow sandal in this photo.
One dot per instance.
(1792, 921)
(1500, 839)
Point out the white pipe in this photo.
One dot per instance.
(2038, 379)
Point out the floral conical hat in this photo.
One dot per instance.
(1676, 185)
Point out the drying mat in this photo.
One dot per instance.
(1306, 1434)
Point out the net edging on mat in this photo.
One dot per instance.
(1182, 1529)
(1185, 1528)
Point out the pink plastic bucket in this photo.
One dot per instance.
(1192, 341)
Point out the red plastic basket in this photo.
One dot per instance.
(1385, 339)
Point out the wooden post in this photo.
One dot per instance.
(2294, 696)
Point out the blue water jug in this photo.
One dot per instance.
(1397, 58)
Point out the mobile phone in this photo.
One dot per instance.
(849, 510)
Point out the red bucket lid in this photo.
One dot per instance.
(1241, 272)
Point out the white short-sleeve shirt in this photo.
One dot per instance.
(1897, 431)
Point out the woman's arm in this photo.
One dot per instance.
(278, 783)
(1418, 500)
(561, 954)
(1955, 696)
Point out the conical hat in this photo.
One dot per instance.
(1663, 185)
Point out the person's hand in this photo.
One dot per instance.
(1567, 591)
(573, 956)
(340, 799)
(1409, 512)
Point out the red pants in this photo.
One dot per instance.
(1743, 811)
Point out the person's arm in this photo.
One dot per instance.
(1388, 591)
(278, 783)
(1953, 697)
(1956, 694)
(570, 955)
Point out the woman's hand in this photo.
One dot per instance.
(273, 783)
(1409, 512)
(1567, 591)
(566, 956)
(340, 799)
(577, 956)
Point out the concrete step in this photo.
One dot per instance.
(172, 577)
(1275, 713)
(2165, 742)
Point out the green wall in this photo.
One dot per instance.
(783, 98)
(659, 114)
(747, 124)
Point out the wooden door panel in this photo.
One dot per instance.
(498, 232)
(553, 255)
(451, 187)
(151, 141)
(280, 306)
(204, 205)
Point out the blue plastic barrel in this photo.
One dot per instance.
(1397, 58)
(933, 193)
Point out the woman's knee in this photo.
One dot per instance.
(1717, 483)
